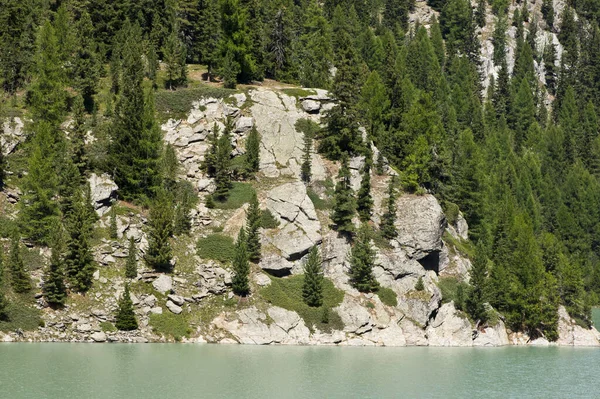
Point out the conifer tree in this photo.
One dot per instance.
(362, 260)
(86, 68)
(477, 293)
(549, 58)
(241, 267)
(20, 280)
(210, 158)
(236, 45)
(374, 105)
(253, 221)
(388, 220)
(364, 201)
(419, 286)
(306, 167)
(160, 225)
(174, 57)
(79, 261)
(136, 143)
(207, 41)
(54, 289)
(252, 152)
(230, 69)
(480, 13)
(548, 13)
(344, 204)
(47, 95)
(78, 134)
(316, 55)
(223, 165)
(3, 300)
(131, 263)
(125, 317)
(112, 227)
(312, 288)
(39, 210)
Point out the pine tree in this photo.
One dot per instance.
(477, 292)
(374, 105)
(54, 289)
(362, 260)
(223, 165)
(252, 152)
(230, 69)
(47, 95)
(136, 142)
(241, 267)
(125, 317)
(344, 204)
(20, 280)
(131, 263)
(160, 225)
(316, 54)
(253, 222)
(388, 220)
(549, 57)
(210, 157)
(39, 209)
(174, 57)
(3, 300)
(79, 261)
(208, 35)
(236, 44)
(480, 13)
(86, 68)
(306, 167)
(112, 227)
(364, 201)
(419, 286)
(312, 288)
(548, 13)
(78, 134)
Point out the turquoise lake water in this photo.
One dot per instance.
(63, 371)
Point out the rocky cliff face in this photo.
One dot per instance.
(199, 292)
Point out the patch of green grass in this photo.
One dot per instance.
(177, 103)
(462, 246)
(453, 290)
(239, 194)
(267, 220)
(217, 247)
(287, 293)
(318, 202)
(298, 92)
(170, 325)
(107, 326)
(32, 259)
(387, 296)
(21, 314)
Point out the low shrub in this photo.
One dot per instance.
(217, 247)
(20, 314)
(107, 326)
(170, 325)
(177, 103)
(268, 220)
(387, 296)
(318, 202)
(239, 194)
(287, 293)
(453, 290)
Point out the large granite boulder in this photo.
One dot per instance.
(275, 265)
(571, 334)
(103, 190)
(449, 328)
(299, 228)
(13, 134)
(492, 336)
(421, 223)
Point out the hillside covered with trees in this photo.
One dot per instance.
(491, 107)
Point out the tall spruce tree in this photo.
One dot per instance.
(364, 200)
(47, 95)
(312, 288)
(87, 66)
(477, 293)
(39, 209)
(235, 45)
(362, 260)
(344, 206)
(79, 260)
(136, 138)
(207, 41)
(3, 300)
(131, 263)
(253, 222)
(20, 280)
(125, 317)
(388, 219)
(223, 164)
(54, 289)
(252, 152)
(160, 229)
(241, 267)
(306, 167)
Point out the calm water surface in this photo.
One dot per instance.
(62, 371)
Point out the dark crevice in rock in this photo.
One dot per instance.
(431, 261)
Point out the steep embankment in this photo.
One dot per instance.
(196, 304)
